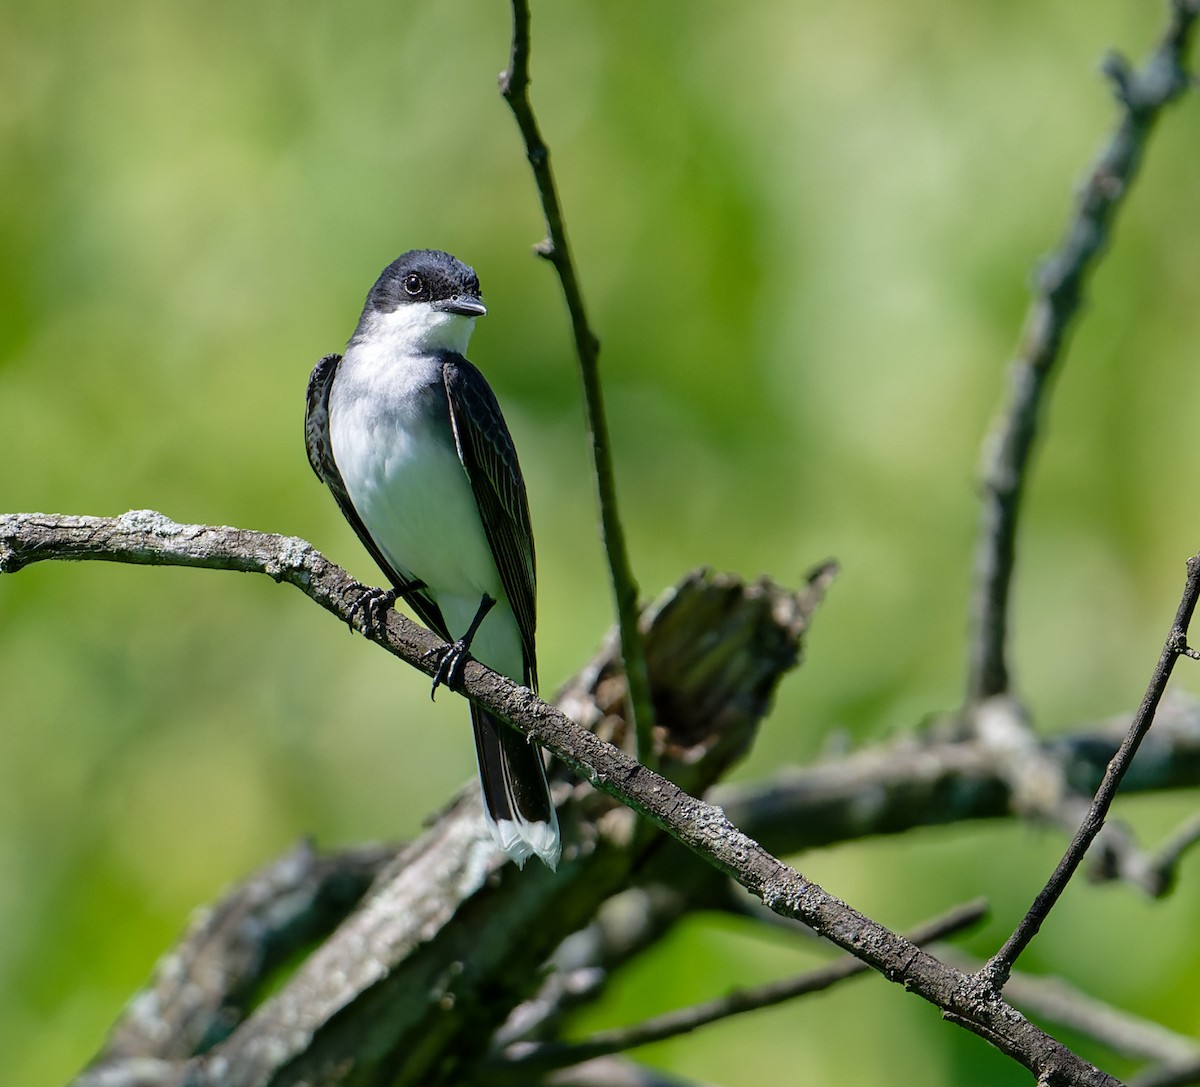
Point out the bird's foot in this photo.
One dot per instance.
(373, 604)
(452, 659)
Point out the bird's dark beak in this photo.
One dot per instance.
(465, 305)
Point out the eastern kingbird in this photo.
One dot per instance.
(409, 437)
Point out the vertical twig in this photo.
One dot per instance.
(1142, 94)
(514, 86)
(998, 968)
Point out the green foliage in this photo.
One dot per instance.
(804, 231)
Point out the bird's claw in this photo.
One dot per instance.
(374, 604)
(452, 659)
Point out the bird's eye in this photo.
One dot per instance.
(413, 284)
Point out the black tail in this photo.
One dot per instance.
(516, 797)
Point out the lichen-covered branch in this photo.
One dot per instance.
(717, 647)
(433, 913)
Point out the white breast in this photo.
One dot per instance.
(390, 431)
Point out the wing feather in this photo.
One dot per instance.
(486, 450)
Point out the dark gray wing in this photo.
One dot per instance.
(320, 456)
(486, 450)
(316, 419)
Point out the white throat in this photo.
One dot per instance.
(419, 328)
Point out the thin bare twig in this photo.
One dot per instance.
(514, 85)
(526, 1062)
(998, 968)
(1142, 95)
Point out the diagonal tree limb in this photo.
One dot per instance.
(926, 779)
(433, 866)
(1142, 96)
(912, 781)
(514, 86)
(386, 983)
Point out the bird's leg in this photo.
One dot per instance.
(374, 604)
(453, 656)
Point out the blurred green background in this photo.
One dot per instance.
(805, 232)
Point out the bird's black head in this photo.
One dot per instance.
(429, 276)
